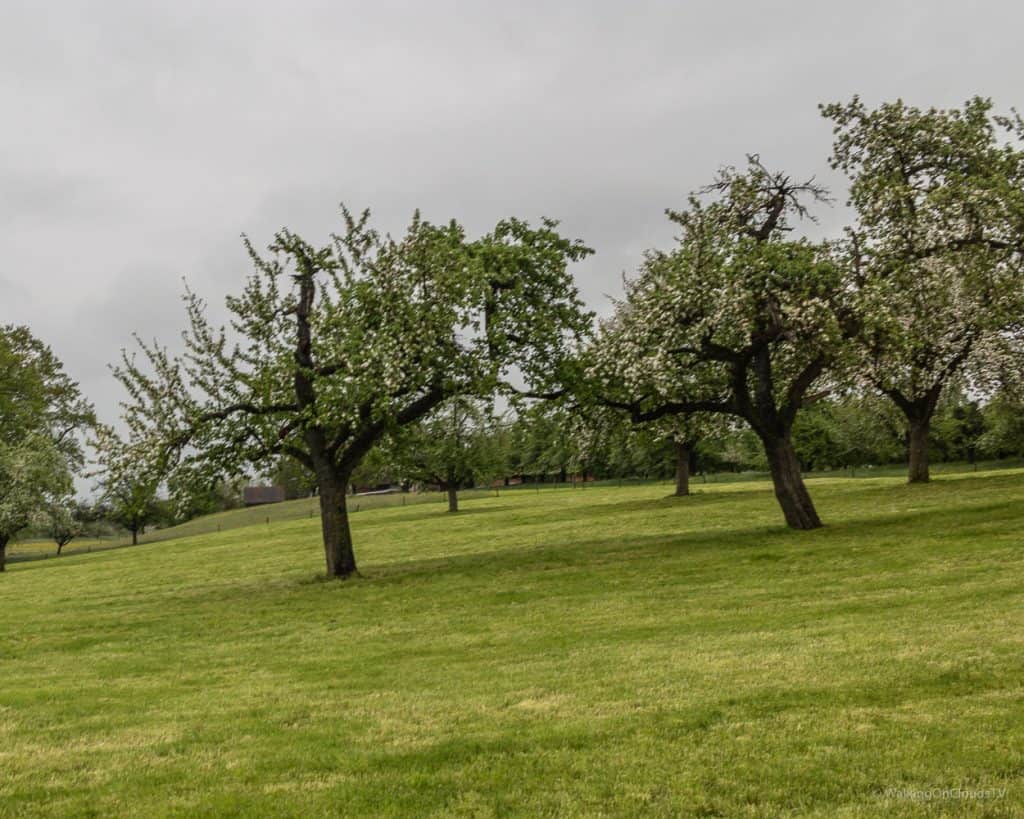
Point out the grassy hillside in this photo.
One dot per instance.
(608, 651)
(306, 508)
(268, 515)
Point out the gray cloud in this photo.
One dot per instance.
(140, 140)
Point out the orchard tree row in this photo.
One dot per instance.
(748, 320)
(46, 429)
(751, 328)
(465, 445)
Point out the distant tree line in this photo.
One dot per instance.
(461, 448)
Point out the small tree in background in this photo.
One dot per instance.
(130, 474)
(611, 438)
(65, 520)
(133, 503)
(685, 432)
(454, 447)
(937, 252)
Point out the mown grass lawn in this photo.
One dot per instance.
(601, 651)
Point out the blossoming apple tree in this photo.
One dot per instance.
(739, 319)
(331, 347)
(937, 251)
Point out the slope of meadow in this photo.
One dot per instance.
(572, 652)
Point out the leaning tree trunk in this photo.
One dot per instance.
(453, 498)
(790, 489)
(682, 469)
(341, 559)
(917, 449)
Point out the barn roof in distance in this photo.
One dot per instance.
(257, 495)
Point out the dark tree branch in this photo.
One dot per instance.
(368, 435)
(796, 394)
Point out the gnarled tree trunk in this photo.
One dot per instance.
(338, 552)
(790, 489)
(917, 449)
(683, 451)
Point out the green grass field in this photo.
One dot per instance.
(607, 651)
(306, 508)
(268, 515)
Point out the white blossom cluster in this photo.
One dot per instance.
(739, 318)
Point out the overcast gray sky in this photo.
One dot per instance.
(140, 139)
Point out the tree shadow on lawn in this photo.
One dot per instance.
(626, 565)
(937, 492)
(439, 511)
(526, 514)
(766, 541)
(761, 498)
(884, 531)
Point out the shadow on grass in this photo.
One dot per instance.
(35, 557)
(933, 520)
(878, 530)
(439, 511)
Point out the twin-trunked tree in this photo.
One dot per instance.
(330, 348)
(739, 319)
